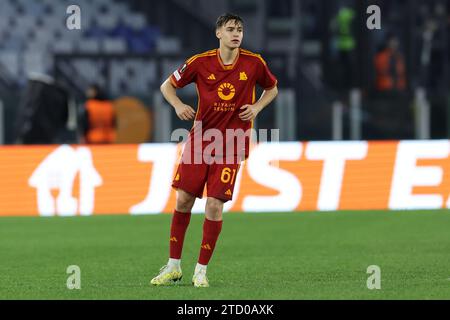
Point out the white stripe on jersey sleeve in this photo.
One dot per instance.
(177, 75)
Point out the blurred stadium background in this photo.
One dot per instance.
(321, 51)
(343, 88)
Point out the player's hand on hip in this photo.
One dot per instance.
(249, 112)
(185, 112)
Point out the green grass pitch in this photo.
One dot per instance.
(305, 255)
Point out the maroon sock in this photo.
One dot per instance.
(180, 222)
(211, 231)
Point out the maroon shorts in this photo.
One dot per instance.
(219, 179)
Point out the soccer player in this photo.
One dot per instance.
(226, 79)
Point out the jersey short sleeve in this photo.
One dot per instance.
(184, 75)
(265, 77)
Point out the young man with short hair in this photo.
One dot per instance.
(226, 79)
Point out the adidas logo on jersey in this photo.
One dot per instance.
(243, 76)
(228, 192)
(212, 77)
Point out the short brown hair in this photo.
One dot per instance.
(224, 18)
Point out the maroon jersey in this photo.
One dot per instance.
(222, 91)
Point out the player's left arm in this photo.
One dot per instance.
(250, 111)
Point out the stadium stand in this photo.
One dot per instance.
(108, 27)
(130, 47)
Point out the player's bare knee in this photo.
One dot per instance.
(214, 208)
(185, 201)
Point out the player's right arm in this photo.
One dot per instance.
(184, 112)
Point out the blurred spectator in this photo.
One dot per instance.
(428, 35)
(99, 118)
(433, 53)
(43, 112)
(389, 112)
(344, 29)
(390, 67)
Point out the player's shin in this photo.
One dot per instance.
(180, 222)
(211, 231)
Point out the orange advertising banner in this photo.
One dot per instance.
(70, 180)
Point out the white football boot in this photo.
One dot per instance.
(167, 275)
